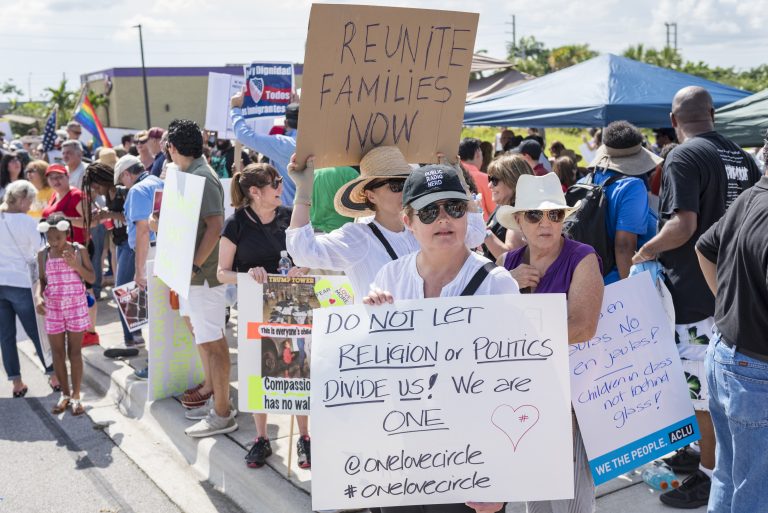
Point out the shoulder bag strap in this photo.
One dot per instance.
(383, 240)
(477, 279)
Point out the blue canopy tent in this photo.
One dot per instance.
(593, 93)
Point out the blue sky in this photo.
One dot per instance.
(43, 40)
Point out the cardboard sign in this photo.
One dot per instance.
(174, 364)
(132, 304)
(438, 401)
(628, 387)
(378, 76)
(177, 230)
(275, 338)
(268, 89)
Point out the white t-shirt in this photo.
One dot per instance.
(402, 279)
(356, 251)
(76, 176)
(13, 259)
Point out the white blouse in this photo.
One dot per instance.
(401, 278)
(356, 251)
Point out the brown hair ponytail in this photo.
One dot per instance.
(253, 175)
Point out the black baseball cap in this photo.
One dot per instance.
(530, 148)
(292, 112)
(432, 183)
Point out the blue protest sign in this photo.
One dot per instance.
(268, 87)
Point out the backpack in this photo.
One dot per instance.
(587, 224)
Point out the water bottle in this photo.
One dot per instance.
(660, 477)
(285, 263)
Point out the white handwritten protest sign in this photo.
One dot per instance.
(440, 401)
(383, 76)
(628, 387)
(177, 231)
(174, 364)
(275, 338)
(221, 87)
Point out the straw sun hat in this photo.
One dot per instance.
(379, 163)
(535, 193)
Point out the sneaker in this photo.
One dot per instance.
(303, 453)
(142, 374)
(90, 338)
(685, 461)
(692, 493)
(260, 451)
(135, 343)
(211, 425)
(201, 412)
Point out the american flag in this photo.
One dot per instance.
(49, 132)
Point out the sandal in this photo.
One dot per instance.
(77, 407)
(21, 392)
(55, 388)
(195, 400)
(62, 405)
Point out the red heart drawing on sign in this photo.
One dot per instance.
(515, 422)
(331, 301)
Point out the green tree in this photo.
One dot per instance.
(568, 55)
(529, 56)
(8, 88)
(66, 100)
(99, 101)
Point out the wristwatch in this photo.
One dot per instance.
(196, 269)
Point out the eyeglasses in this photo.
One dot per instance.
(535, 216)
(454, 208)
(494, 180)
(395, 184)
(275, 183)
(61, 226)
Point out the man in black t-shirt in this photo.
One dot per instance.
(733, 255)
(701, 178)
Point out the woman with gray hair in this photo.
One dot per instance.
(18, 256)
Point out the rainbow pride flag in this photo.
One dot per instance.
(86, 116)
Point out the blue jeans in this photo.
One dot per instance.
(738, 402)
(17, 301)
(98, 236)
(126, 268)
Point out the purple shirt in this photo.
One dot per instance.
(558, 277)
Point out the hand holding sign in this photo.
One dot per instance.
(237, 100)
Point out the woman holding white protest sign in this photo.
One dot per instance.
(552, 263)
(435, 213)
(252, 240)
(361, 249)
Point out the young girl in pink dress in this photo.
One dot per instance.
(64, 267)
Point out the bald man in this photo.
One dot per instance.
(701, 178)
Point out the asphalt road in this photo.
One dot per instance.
(66, 464)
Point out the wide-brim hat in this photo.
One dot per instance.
(379, 163)
(535, 193)
(632, 161)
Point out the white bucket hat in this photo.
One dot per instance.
(535, 193)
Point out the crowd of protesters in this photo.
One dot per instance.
(679, 202)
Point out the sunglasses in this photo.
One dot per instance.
(454, 208)
(275, 183)
(61, 226)
(535, 216)
(395, 184)
(494, 180)
(141, 142)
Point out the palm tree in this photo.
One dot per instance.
(99, 100)
(568, 55)
(66, 100)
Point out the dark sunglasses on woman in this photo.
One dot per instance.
(494, 180)
(454, 208)
(395, 184)
(275, 183)
(535, 216)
